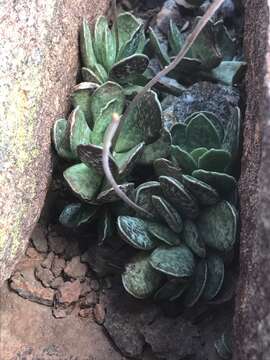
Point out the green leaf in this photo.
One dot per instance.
(204, 193)
(59, 137)
(139, 278)
(197, 153)
(91, 155)
(163, 233)
(185, 67)
(144, 193)
(223, 183)
(176, 261)
(217, 226)
(192, 239)
(109, 52)
(158, 149)
(183, 159)
(127, 69)
(109, 195)
(164, 167)
(76, 214)
(169, 290)
(200, 132)
(127, 25)
(215, 160)
(79, 130)
(101, 72)
(229, 72)
(142, 124)
(222, 350)
(168, 213)
(215, 277)
(178, 133)
(175, 38)
(134, 231)
(101, 27)
(225, 42)
(197, 286)
(158, 48)
(103, 96)
(81, 96)
(131, 46)
(218, 123)
(179, 197)
(127, 160)
(83, 181)
(86, 46)
(89, 76)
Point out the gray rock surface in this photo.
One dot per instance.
(38, 66)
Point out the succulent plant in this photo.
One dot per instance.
(114, 54)
(191, 232)
(80, 140)
(223, 347)
(211, 57)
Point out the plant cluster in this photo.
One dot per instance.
(186, 231)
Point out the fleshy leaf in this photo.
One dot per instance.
(169, 290)
(127, 25)
(217, 226)
(109, 195)
(83, 181)
(101, 72)
(197, 153)
(158, 48)
(139, 278)
(176, 261)
(215, 160)
(134, 231)
(81, 96)
(76, 214)
(59, 137)
(178, 132)
(91, 155)
(179, 197)
(200, 132)
(185, 161)
(168, 213)
(226, 43)
(164, 234)
(192, 239)
(128, 68)
(105, 227)
(223, 183)
(88, 75)
(158, 149)
(197, 286)
(215, 277)
(130, 48)
(127, 160)
(204, 193)
(229, 72)
(86, 47)
(185, 67)
(144, 193)
(175, 38)
(101, 27)
(142, 124)
(164, 167)
(104, 95)
(217, 123)
(222, 350)
(79, 130)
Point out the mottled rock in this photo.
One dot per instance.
(89, 300)
(69, 292)
(99, 314)
(45, 276)
(57, 243)
(26, 285)
(85, 287)
(38, 67)
(72, 249)
(39, 238)
(95, 285)
(58, 265)
(75, 269)
(47, 263)
(84, 313)
(57, 282)
(32, 253)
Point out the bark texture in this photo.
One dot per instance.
(252, 316)
(38, 66)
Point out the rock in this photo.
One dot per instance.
(39, 65)
(99, 314)
(47, 263)
(72, 249)
(29, 263)
(89, 300)
(84, 313)
(75, 269)
(39, 238)
(60, 312)
(57, 282)
(58, 265)
(69, 292)
(85, 287)
(44, 275)
(32, 253)
(57, 243)
(252, 313)
(169, 11)
(29, 288)
(95, 285)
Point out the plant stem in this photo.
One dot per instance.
(114, 127)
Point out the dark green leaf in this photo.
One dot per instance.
(215, 277)
(164, 234)
(89, 76)
(127, 160)
(197, 286)
(76, 214)
(215, 160)
(164, 167)
(158, 149)
(128, 68)
(158, 48)
(59, 137)
(109, 195)
(183, 159)
(169, 290)
(79, 130)
(223, 183)
(229, 72)
(144, 193)
(86, 46)
(192, 239)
